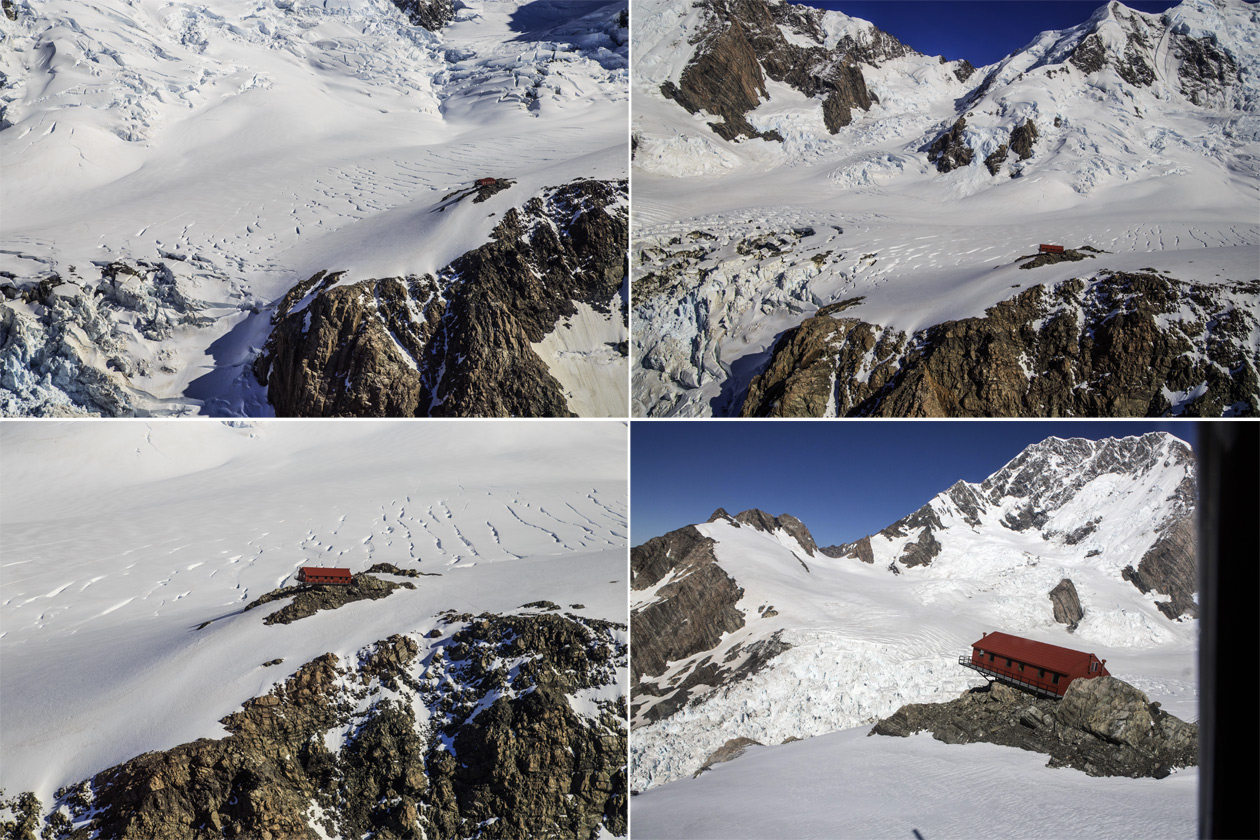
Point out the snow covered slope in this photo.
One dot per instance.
(131, 548)
(848, 785)
(1134, 134)
(235, 148)
(812, 640)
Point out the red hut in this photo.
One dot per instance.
(1035, 667)
(1049, 249)
(486, 182)
(318, 574)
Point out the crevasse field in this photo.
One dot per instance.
(122, 538)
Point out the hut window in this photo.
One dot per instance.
(990, 657)
(1008, 663)
(1093, 666)
(1055, 680)
(1021, 666)
(1041, 672)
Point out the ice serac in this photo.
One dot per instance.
(744, 42)
(1124, 344)
(459, 344)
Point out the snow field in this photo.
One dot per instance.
(123, 539)
(846, 784)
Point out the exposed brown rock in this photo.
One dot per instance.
(1023, 136)
(741, 44)
(431, 14)
(459, 344)
(524, 765)
(1108, 347)
(689, 615)
(310, 598)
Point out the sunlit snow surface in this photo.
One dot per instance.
(1138, 172)
(251, 143)
(849, 785)
(122, 538)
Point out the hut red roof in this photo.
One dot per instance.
(1051, 657)
(321, 574)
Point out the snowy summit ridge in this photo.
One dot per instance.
(794, 640)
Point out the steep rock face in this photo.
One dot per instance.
(742, 42)
(1066, 604)
(1122, 344)
(691, 612)
(503, 753)
(459, 344)
(1102, 726)
(1022, 138)
(1170, 567)
(859, 550)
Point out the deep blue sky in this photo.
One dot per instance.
(981, 31)
(843, 479)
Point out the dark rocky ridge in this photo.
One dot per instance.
(741, 44)
(1110, 346)
(457, 345)
(1102, 726)
(690, 614)
(523, 765)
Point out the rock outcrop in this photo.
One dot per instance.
(1067, 604)
(729, 751)
(689, 615)
(1023, 136)
(431, 14)
(310, 598)
(1121, 345)
(742, 43)
(500, 751)
(1102, 726)
(949, 150)
(458, 344)
(1170, 567)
